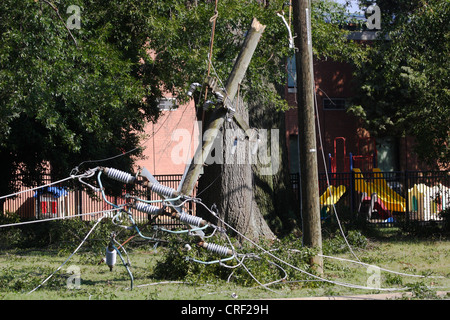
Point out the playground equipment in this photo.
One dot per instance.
(426, 202)
(330, 197)
(365, 160)
(341, 162)
(381, 197)
(395, 201)
(423, 203)
(377, 198)
(51, 202)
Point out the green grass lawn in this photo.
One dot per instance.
(23, 270)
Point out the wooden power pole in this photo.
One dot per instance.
(219, 115)
(312, 233)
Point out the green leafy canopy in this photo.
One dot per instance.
(403, 87)
(67, 96)
(66, 101)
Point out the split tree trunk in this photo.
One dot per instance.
(254, 198)
(230, 186)
(230, 173)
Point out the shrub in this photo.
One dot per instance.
(177, 263)
(9, 236)
(446, 217)
(337, 244)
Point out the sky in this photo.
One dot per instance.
(353, 5)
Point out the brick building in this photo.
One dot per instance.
(171, 142)
(341, 133)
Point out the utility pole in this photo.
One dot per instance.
(312, 233)
(218, 117)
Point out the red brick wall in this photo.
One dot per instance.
(332, 80)
(163, 140)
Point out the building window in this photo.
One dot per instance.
(291, 73)
(387, 153)
(294, 158)
(167, 104)
(334, 104)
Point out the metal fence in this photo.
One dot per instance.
(68, 199)
(381, 198)
(384, 198)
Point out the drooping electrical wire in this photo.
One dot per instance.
(92, 214)
(382, 269)
(87, 174)
(228, 253)
(327, 176)
(73, 253)
(297, 268)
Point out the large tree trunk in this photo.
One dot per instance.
(273, 192)
(228, 182)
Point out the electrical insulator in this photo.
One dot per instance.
(147, 208)
(221, 250)
(192, 88)
(119, 175)
(111, 256)
(163, 190)
(191, 220)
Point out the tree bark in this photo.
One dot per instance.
(255, 198)
(274, 193)
(230, 173)
(230, 185)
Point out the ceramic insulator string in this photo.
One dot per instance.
(190, 219)
(147, 208)
(119, 175)
(162, 190)
(221, 250)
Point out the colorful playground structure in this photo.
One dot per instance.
(383, 199)
(428, 202)
(330, 197)
(366, 159)
(373, 197)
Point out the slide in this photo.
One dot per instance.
(390, 199)
(396, 201)
(332, 195)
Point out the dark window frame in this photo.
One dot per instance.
(334, 104)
